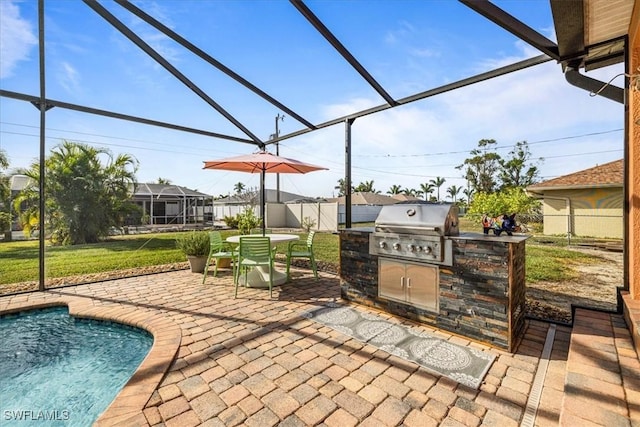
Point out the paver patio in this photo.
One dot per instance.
(255, 361)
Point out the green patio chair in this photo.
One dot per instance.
(302, 249)
(254, 251)
(218, 249)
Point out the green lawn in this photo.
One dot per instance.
(19, 260)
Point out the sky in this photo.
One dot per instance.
(408, 46)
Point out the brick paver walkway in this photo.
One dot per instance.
(255, 361)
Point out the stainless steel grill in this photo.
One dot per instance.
(416, 232)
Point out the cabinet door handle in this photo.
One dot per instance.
(401, 282)
(408, 282)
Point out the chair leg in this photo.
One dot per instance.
(271, 281)
(237, 280)
(288, 265)
(313, 266)
(215, 270)
(206, 269)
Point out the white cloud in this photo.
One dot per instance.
(69, 78)
(16, 38)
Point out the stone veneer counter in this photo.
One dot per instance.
(481, 296)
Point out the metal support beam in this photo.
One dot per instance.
(41, 185)
(107, 16)
(514, 26)
(347, 172)
(205, 56)
(333, 40)
(431, 92)
(50, 103)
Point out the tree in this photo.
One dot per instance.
(409, 192)
(84, 198)
(453, 192)
(481, 169)
(517, 171)
(164, 181)
(437, 183)
(366, 187)
(512, 200)
(469, 192)
(394, 189)
(426, 189)
(5, 191)
(239, 187)
(5, 194)
(341, 187)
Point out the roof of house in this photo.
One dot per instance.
(606, 175)
(365, 199)
(168, 190)
(405, 197)
(271, 196)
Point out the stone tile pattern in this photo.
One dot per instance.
(482, 296)
(602, 382)
(255, 361)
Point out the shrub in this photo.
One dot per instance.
(308, 223)
(194, 243)
(5, 221)
(247, 220)
(231, 221)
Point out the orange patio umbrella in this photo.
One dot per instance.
(262, 162)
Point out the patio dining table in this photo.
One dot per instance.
(258, 277)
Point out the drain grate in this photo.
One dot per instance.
(533, 402)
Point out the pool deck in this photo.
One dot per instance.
(255, 361)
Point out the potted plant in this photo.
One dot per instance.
(195, 245)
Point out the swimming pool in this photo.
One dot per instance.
(57, 370)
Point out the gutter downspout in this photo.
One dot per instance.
(568, 207)
(595, 87)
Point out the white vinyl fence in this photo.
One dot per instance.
(317, 216)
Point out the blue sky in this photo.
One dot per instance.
(408, 46)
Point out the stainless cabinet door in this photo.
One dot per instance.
(391, 278)
(422, 286)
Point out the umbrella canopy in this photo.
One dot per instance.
(261, 162)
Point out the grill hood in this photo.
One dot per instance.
(439, 219)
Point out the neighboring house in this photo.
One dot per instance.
(365, 207)
(406, 198)
(237, 203)
(587, 203)
(170, 204)
(366, 199)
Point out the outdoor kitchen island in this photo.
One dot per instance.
(479, 295)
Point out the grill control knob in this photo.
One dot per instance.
(411, 247)
(382, 245)
(396, 246)
(427, 249)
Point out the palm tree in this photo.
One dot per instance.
(469, 193)
(84, 197)
(4, 180)
(341, 187)
(395, 189)
(427, 189)
(453, 191)
(239, 187)
(164, 181)
(366, 187)
(437, 182)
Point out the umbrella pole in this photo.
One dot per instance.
(263, 199)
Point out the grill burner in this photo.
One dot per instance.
(415, 231)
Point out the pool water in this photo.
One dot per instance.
(57, 370)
